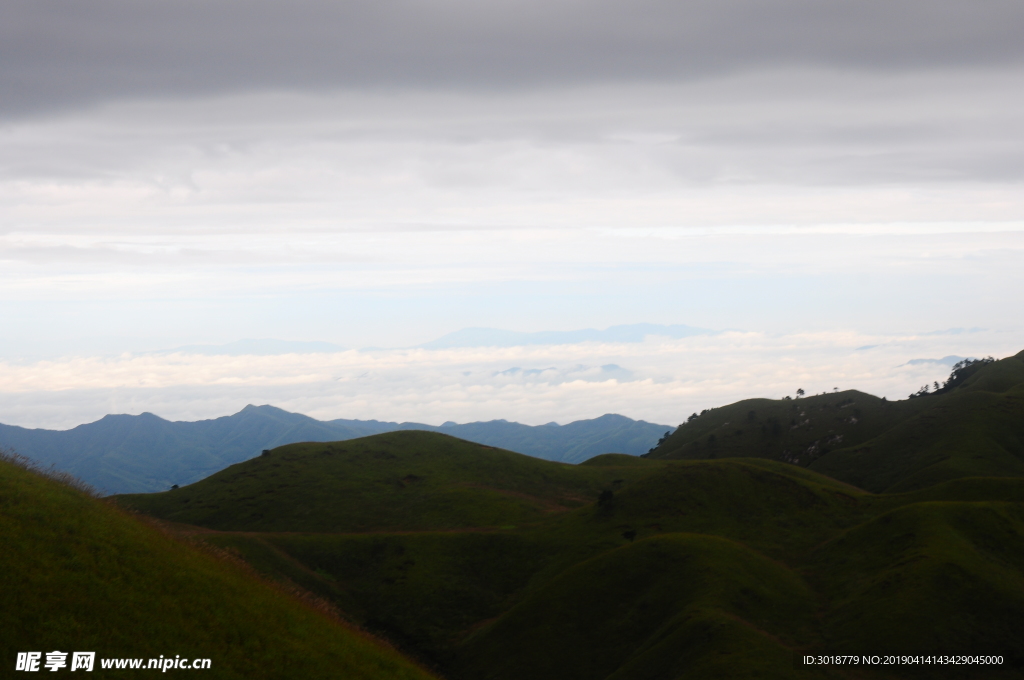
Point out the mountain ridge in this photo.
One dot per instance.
(495, 337)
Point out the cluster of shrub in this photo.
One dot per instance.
(962, 370)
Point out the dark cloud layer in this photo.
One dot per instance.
(56, 54)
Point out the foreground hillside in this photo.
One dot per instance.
(80, 575)
(145, 453)
(489, 564)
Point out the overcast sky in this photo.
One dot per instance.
(378, 174)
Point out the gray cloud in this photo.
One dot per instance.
(56, 54)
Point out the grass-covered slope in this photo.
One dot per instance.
(973, 428)
(400, 480)
(721, 568)
(927, 576)
(779, 509)
(80, 575)
(422, 590)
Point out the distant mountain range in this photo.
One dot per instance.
(950, 360)
(136, 454)
(467, 337)
(493, 337)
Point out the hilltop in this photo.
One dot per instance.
(974, 426)
(397, 481)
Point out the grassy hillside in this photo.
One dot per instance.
(721, 568)
(973, 428)
(80, 575)
(400, 480)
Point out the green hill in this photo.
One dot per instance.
(849, 571)
(81, 575)
(972, 428)
(408, 480)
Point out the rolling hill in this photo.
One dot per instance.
(132, 454)
(397, 481)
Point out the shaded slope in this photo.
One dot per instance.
(80, 575)
(421, 590)
(667, 606)
(933, 577)
(927, 576)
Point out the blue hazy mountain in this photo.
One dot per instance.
(493, 337)
(950, 360)
(135, 454)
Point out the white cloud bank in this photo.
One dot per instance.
(659, 380)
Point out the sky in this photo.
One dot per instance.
(805, 178)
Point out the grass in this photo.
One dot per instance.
(81, 575)
(720, 568)
(927, 576)
(667, 604)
